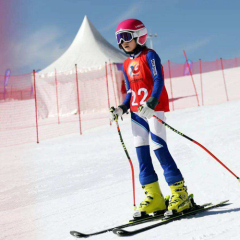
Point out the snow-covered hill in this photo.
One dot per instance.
(84, 183)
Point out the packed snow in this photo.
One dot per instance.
(83, 182)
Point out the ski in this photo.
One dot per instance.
(129, 224)
(122, 233)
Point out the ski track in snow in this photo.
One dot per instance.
(84, 183)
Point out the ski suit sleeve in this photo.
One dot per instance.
(154, 63)
(126, 103)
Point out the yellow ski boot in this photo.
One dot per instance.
(154, 201)
(179, 200)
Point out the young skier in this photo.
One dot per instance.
(145, 87)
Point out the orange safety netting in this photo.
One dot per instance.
(36, 106)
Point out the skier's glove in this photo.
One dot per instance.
(115, 113)
(147, 110)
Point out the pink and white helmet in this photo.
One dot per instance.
(133, 26)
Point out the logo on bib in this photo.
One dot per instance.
(134, 69)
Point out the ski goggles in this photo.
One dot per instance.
(129, 36)
(125, 36)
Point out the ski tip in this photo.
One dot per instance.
(238, 179)
(224, 202)
(120, 232)
(78, 234)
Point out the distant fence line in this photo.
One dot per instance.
(34, 107)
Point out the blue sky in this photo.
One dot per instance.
(206, 29)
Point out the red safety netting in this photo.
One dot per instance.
(17, 110)
(35, 107)
(211, 82)
(62, 96)
(180, 70)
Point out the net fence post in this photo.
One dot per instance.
(107, 88)
(200, 65)
(114, 92)
(36, 108)
(169, 69)
(78, 98)
(224, 80)
(56, 83)
(191, 77)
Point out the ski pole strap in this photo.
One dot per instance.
(197, 143)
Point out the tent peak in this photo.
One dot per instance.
(89, 49)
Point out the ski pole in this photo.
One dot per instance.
(129, 159)
(176, 131)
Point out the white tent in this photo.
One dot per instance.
(99, 86)
(88, 50)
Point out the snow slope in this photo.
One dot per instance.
(84, 183)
